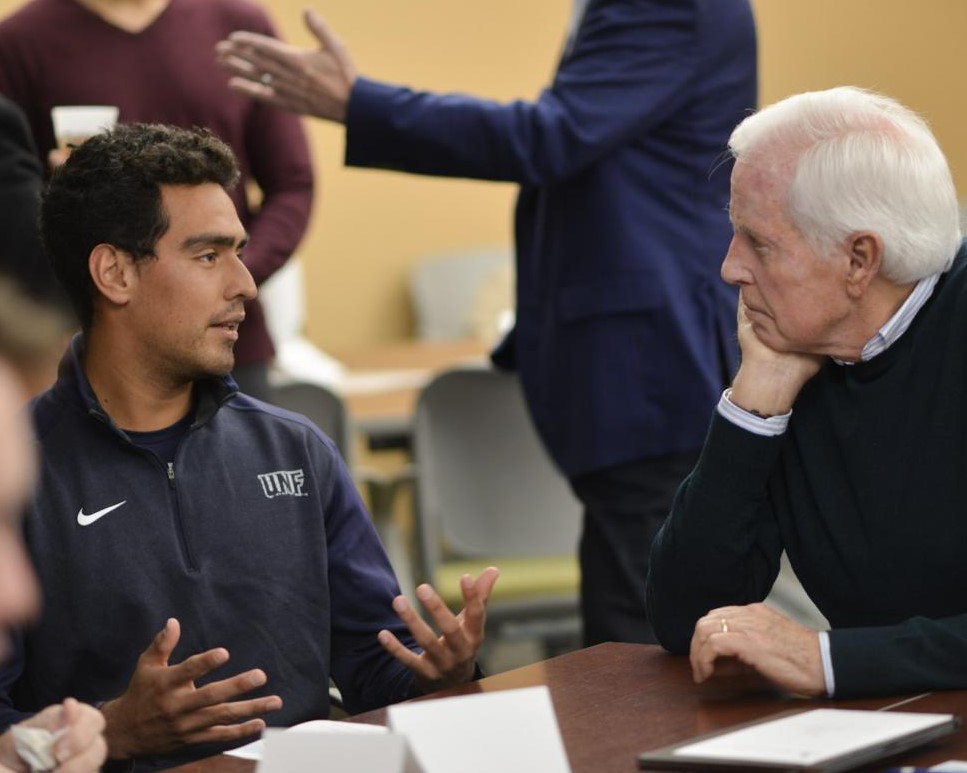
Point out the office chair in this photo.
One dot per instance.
(461, 294)
(320, 405)
(488, 494)
(327, 410)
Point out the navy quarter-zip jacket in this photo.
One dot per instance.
(256, 539)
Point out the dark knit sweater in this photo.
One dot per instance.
(867, 493)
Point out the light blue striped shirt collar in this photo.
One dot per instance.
(898, 324)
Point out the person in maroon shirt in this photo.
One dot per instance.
(155, 61)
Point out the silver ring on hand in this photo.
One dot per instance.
(266, 79)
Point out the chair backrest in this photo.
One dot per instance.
(320, 405)
(447, 291)
(485, 485)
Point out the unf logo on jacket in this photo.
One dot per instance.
(283, 483)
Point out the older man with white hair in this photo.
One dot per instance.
(843, 439)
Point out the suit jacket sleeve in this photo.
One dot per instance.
(624, 75)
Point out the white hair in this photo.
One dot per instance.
(862, 162)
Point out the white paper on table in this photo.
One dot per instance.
(511, 731)
(256, 749)
(810, 737)
(334, 752)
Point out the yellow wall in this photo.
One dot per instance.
(909, 50)
(368, 227)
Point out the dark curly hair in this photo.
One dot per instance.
(109, 192)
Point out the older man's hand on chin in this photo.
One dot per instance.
(448, 658)
(768, 381)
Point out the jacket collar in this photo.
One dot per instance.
(210, 393)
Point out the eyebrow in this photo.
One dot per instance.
(213, 240)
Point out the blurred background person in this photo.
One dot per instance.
(28, 331)
(625, 333)
(21, 178)
(22, 258)
(154, 61)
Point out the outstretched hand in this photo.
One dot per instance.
(314, 82)
(162, 709)
(449, 658)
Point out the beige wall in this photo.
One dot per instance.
(369, 226)
(909, 50)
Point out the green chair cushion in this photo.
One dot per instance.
(520, 578)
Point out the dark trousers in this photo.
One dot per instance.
(624, 507)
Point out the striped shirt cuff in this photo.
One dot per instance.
(759, 425)
(827, 663)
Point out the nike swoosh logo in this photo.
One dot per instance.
(85, 519)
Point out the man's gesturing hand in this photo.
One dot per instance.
(447, 659)
(163, 710)
(308, 81)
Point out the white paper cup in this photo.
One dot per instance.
(75, 123)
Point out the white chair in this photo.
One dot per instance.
(282, 296)
(323, 407)
(487, 493)
(462, 294)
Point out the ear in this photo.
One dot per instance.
(865, 252)
(113, 273)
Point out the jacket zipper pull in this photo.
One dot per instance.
(171, 472)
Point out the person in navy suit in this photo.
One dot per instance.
(625, 333)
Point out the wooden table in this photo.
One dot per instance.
(384, 381)
(615, 700)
